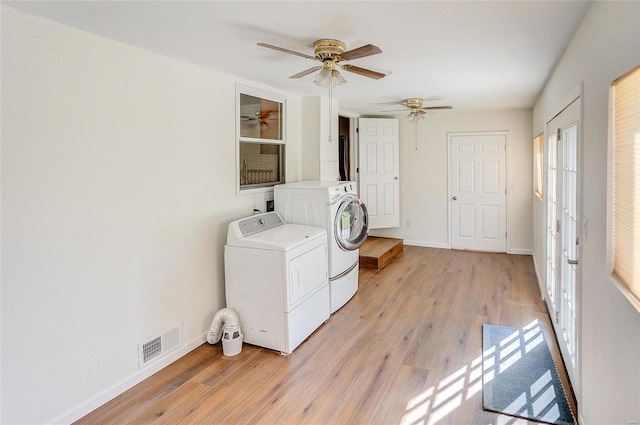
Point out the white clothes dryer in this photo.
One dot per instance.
(276, 280)
(335, 207)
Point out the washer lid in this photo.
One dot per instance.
(281, 238)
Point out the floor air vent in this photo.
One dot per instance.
(158, 346)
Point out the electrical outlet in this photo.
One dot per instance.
(408, 223)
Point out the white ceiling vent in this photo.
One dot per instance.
(158, 346)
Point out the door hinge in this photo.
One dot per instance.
(557, 226)
(357, 129)
(577, 240)
(557, 317)
(559, 134)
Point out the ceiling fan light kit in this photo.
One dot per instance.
(415, 117)
(329, 76)
(337, 79)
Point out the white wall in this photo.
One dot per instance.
(319, 155)
(424, 173)
(118, 170)
(606, 45)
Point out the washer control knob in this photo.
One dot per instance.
(261, 221)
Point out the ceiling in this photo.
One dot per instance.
(468, 54)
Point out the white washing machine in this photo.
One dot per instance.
(333, 206)
(276, 280)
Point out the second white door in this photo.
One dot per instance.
(379, 171)
(478, 191)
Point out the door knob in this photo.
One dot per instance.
(395, 178)
(455, 198)
(573, 262)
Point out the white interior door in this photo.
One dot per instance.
(477, 176)
(380, 171)
(562, 230)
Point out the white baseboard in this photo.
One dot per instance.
(516, 251)
(538, 277)
(111, 393)
(426, 244)
(520, 251)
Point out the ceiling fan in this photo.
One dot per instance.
(258, 118)
(416, 110)
(417, 113)
(331, 52)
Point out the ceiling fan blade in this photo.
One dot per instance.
(426, 108)
(363, 71)
(392, 103)
(306, 72)
(397, 110)
(291, 52)
(361, 52)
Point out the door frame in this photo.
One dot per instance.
(354, 144)
(576, 94)
(352, 127)
(506, 174)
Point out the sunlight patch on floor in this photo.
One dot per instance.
(437, 402)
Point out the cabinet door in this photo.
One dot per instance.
(307, 273)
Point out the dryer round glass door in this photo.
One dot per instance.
(351, 224)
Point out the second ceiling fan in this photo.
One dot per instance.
(331, 52)
(416, 110)
(416, 113)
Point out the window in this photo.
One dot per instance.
(624, 185)
(538, 148)
(260, 124)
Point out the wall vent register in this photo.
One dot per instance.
(158, 346)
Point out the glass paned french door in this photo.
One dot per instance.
(562, 231)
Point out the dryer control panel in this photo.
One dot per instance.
(254, 224)
(341, 189)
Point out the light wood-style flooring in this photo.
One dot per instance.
(405, 350)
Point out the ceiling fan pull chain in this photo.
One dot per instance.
(330, 110)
